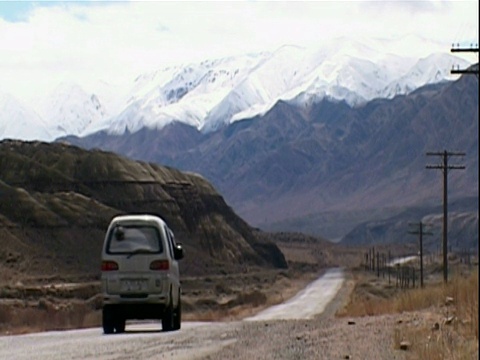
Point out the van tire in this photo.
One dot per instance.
(119, 325)
(177, 315)
(168, 315)
(107, 320)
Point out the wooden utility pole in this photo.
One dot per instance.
(420, 232)
(459, 49)
(445, 167)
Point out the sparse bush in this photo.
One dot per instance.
(5, 315)
(254, 298)
(46, 315)
(206, 304)
(222, 289)
(95, 302)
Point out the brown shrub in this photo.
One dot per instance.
(46, 315)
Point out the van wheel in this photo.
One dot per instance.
(107, 320)
(119, 325)
(168, 318)
(177, 315)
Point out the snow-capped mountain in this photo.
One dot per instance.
(69, 110)
(185, 93)
(214, 93)
(17, 121)
(428, 70)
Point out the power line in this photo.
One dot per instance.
(464, 49)
(445, 167)
(472, 69)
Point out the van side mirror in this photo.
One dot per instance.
(178, 251)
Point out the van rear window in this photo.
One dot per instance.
(130, 239)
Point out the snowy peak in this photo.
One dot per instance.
(70, 109)
(182, 93)
(432, 69)
(212, 94)
(17, 121)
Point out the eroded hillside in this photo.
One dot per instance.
(56, 201)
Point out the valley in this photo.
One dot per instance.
(301, 191)
(294, 150)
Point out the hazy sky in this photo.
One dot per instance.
(45, 43)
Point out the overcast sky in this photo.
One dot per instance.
(45, 43)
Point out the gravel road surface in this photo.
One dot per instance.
(308, 302)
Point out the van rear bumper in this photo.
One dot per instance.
(135, 311)
(134, 299)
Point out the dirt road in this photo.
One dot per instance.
(140, 341)
(308, 302)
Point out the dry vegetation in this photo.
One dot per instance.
(26, 308)
(439, 321)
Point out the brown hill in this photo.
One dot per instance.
(56, 202)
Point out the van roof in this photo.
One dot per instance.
(137, 218)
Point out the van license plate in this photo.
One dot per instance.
(133, 285)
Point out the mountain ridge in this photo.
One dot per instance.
(297, 161)
(215, 93)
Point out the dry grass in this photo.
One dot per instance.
(34, 308)
(456, 335)
(46, 316)
(439, 321)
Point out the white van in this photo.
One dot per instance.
(140, 273)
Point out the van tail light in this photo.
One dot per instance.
(109, 266)
(160, 265)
